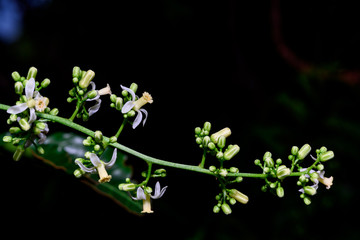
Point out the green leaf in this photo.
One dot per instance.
(61, 149)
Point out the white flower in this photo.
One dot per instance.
(99, 166)
(141, 195)
(34, 101)
(328, 182)
(103, 91)
(136, 105)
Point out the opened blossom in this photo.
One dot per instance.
(136, 105)
(34, 102)
(99, 166)
(141, 195)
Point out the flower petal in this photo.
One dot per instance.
(130, 91)
(140, 195)
(146, 115)
(17, 108)
(158, 193)
(85, 169)
(29, 88)
(32, 115)
(137, 120)
(95, 108)
(112, 161)
(95, 160)
(127, 106)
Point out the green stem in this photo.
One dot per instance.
(78, 106)
(203, 159)
(121, 128)
(144, 157)
(144, 183)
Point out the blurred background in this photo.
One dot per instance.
(278, 73)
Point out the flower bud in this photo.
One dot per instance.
(280, 192)
(309, 190)
(92, 94)
(240, 197)
(226, 132)
(7, 139)
(326, 156)
(134, 87)
(269, 162)
(219, 155)
(221, 142)
(76, 72)
(18, 88)
(211, 146)
(98, 136)
(78, 173)
(31, 73)
(24, 124)
(16, 76)
(85, 81)
(40, 150)
(54, 111)
(223, 172)
(231, 152)
(197, 130)
(45, 83)
(282, 172)
(294, 150)
(207, 126)
(118, 103)
(212, 168)
(206, 141)
(304, 151)
(127, 186)
(216, 209)
(307, 200)
(113, 139)
(226, 208)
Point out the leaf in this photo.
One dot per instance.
(61, 149)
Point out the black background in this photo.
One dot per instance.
(217, 61)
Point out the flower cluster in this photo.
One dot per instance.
(276, 172)
(29, 129)
(215, 145)
(81, 94)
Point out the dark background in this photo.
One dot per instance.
(278, 73)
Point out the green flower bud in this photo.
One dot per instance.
(216, 209)
(97, 147)
(212, 168)
(280, 192)
(92, 94)
(326, 156)
(302, 178)
(76, 72)
(78, 173)
(85, 81)
(113, 139)
(309, 190)
(266, 155)
(231, 152)
(54, 111)
(40, 150)
(207, 126)
(31, 73)
(16, 76)
(232, 201)
(294, 150)
(226, 208)
(221, 142)
(219, 155)
(234, 170)
(240, 197)
(7, 139)
(134, 87)
(98, 136)
(282, 172)
(119, 103)
(226, 132)
(86, 143)
(320, 167)
(307, 200)
(323, 149)
(198, 140)
(18, 153)
(197, 130)
(14, 130)
(223, 172)
(131, 113)
(239, 179)
(113, 98)
(127, 187)
(257, 162)
(206, 141)
(45, 83)
(304, 151)
(75, 80)
(211, 146)
(269, 162)
(18, 88)
(160, 171)
(24, 124)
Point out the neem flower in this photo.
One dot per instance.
(136, 105)
(103, 91)
(141, 195)
(99, 166)
(34, 101)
